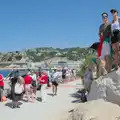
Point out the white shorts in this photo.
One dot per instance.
(27, 87)
(105, 50)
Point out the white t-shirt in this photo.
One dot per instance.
(56, 75)
(34, 77)
(116, 25)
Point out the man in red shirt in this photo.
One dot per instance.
(43, 81)
(1, 86)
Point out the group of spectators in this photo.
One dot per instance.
(25, 87)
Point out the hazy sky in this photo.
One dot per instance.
(55, 23)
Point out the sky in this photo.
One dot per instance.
(51, 23)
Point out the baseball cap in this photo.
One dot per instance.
(104, 14)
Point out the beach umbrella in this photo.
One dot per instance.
(95, 45)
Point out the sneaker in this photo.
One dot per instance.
(18, 106)
(13, 107)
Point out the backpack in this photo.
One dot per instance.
(18, 88)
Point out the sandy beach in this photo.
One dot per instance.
(56, 108)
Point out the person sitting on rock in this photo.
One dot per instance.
(87, 81)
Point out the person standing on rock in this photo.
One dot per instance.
(115, 38)
(104, 49)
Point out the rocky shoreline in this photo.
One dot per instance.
(103, 100)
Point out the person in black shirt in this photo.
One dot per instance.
(63, 73)
(13, 80)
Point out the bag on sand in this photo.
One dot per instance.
(83, 96)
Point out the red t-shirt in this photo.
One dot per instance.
(28, 79)
(1, 80)
(2, 83)
(43, 79)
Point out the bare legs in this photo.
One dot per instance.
(108, 63)
(54, 88)
(115, 47)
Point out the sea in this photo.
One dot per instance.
(5, 73)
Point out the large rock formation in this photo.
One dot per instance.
(107, 88)
(96, 110)
(104, 100)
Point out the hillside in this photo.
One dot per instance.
(41, 54)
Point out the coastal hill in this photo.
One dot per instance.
(45, 53)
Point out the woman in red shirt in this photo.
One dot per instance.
(28, 82)
(1, 86)
(43, 79)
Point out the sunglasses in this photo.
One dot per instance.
(104, 17)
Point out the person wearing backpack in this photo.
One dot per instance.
(55, 77)
(19, 89)
(115, 36)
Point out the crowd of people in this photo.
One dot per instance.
(25, 87)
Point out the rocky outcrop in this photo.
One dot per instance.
(107, 88)
(103, 100)
(96, 110)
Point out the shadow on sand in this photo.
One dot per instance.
(10, 104)
(79, 96)
(39, 99)
(50, 94)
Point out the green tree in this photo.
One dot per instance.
(88, 62)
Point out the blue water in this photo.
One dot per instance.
(5, 72)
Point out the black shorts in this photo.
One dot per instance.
(55, 83)
(18, 97)
(63, 76)
(2, 87)
(115, 38)
(34, 84)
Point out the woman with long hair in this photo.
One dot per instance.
(115, 36)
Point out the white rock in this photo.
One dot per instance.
(96, 110)
(107, 87)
